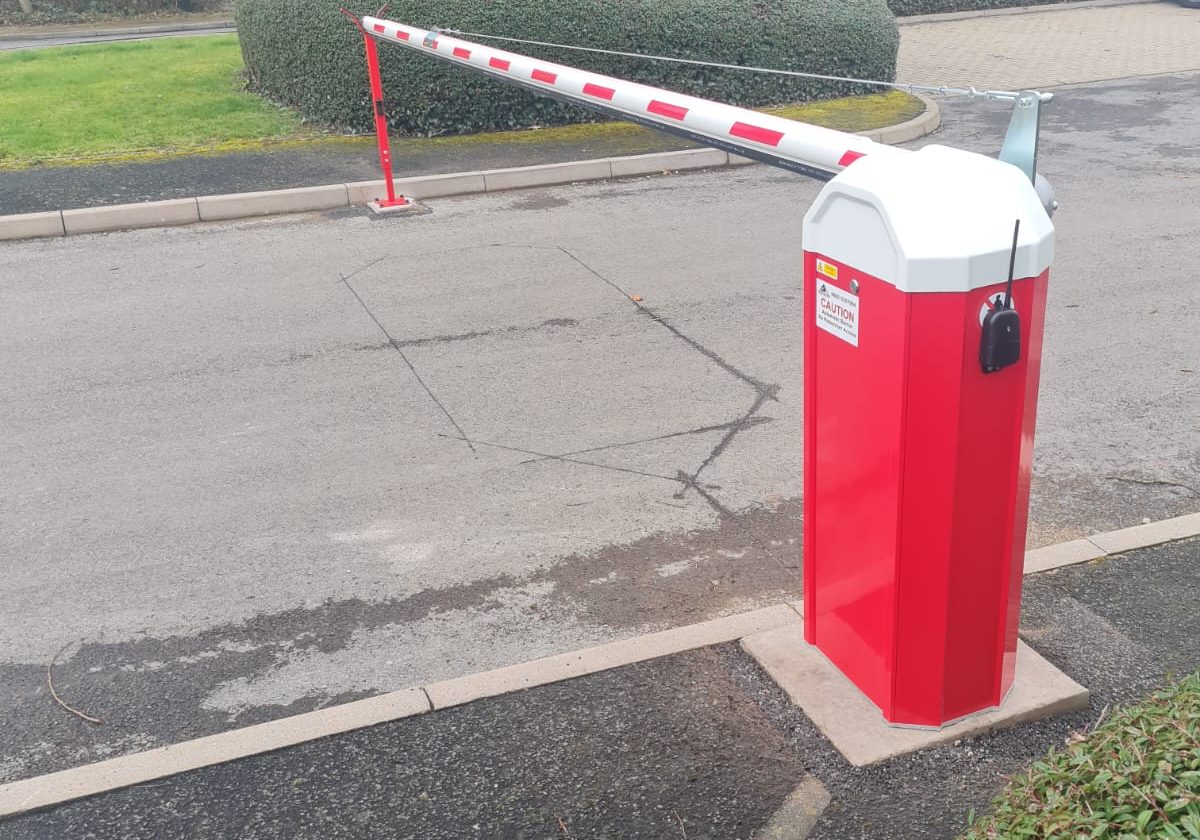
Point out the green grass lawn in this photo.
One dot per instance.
(130, 99)
(139, 100)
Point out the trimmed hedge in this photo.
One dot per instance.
(929, 7)
(303, 53)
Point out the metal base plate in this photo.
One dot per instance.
(411, 208)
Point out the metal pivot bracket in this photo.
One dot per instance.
(1021, 142)
(1020, 146)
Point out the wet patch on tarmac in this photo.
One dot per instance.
(539, 201)
(154, 691)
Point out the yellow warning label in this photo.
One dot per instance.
(828, 270)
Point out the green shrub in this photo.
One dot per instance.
(303, 53)
(1138, 775)
(929, 7)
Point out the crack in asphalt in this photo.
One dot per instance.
(763, 392)
(1153, 482)
(548, 324)
(396, 346)
(716, 427)
(758, 385)
(546, 456)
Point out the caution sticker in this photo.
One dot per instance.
(837, 312)
(828, 269)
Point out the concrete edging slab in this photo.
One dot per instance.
(32, 225)
(137, 768)
(1112, 542)
(213, 208)
(856, 727)
(178, 211)
(1144, 536)
(578, 663)
(797, 816)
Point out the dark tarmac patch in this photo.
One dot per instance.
(539, 201)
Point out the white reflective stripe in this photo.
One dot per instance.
(809, 145)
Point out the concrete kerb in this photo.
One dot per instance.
(32, 225)
(90, 779)
(566, 666)
(137, 768)
(1152, 533)
(214, 208)
(797, 816)
(332, 196)
(180, 211)
(1112, 542)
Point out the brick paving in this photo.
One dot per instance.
(1046, 49)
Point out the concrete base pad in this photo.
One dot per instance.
(857, 728)
(413, 208)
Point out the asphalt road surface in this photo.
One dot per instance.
(255, 468)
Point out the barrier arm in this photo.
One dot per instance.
(798, 147)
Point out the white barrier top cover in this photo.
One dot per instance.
(936, 220)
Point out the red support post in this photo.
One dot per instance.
(381, 135)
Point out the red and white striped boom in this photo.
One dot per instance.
(795, 146)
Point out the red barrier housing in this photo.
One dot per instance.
(917, 462)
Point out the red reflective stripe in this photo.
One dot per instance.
(543, 76)
(459, 52)
(756, 133)
(598, 91)
(403, 36)
(379, 27)
(665, 109)
(850, 157)
(499, 63)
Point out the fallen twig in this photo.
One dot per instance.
(681, 828)
(54, 694)
(563, 826)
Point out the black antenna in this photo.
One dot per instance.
(1012, 266)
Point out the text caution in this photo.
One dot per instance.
(837, 312)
